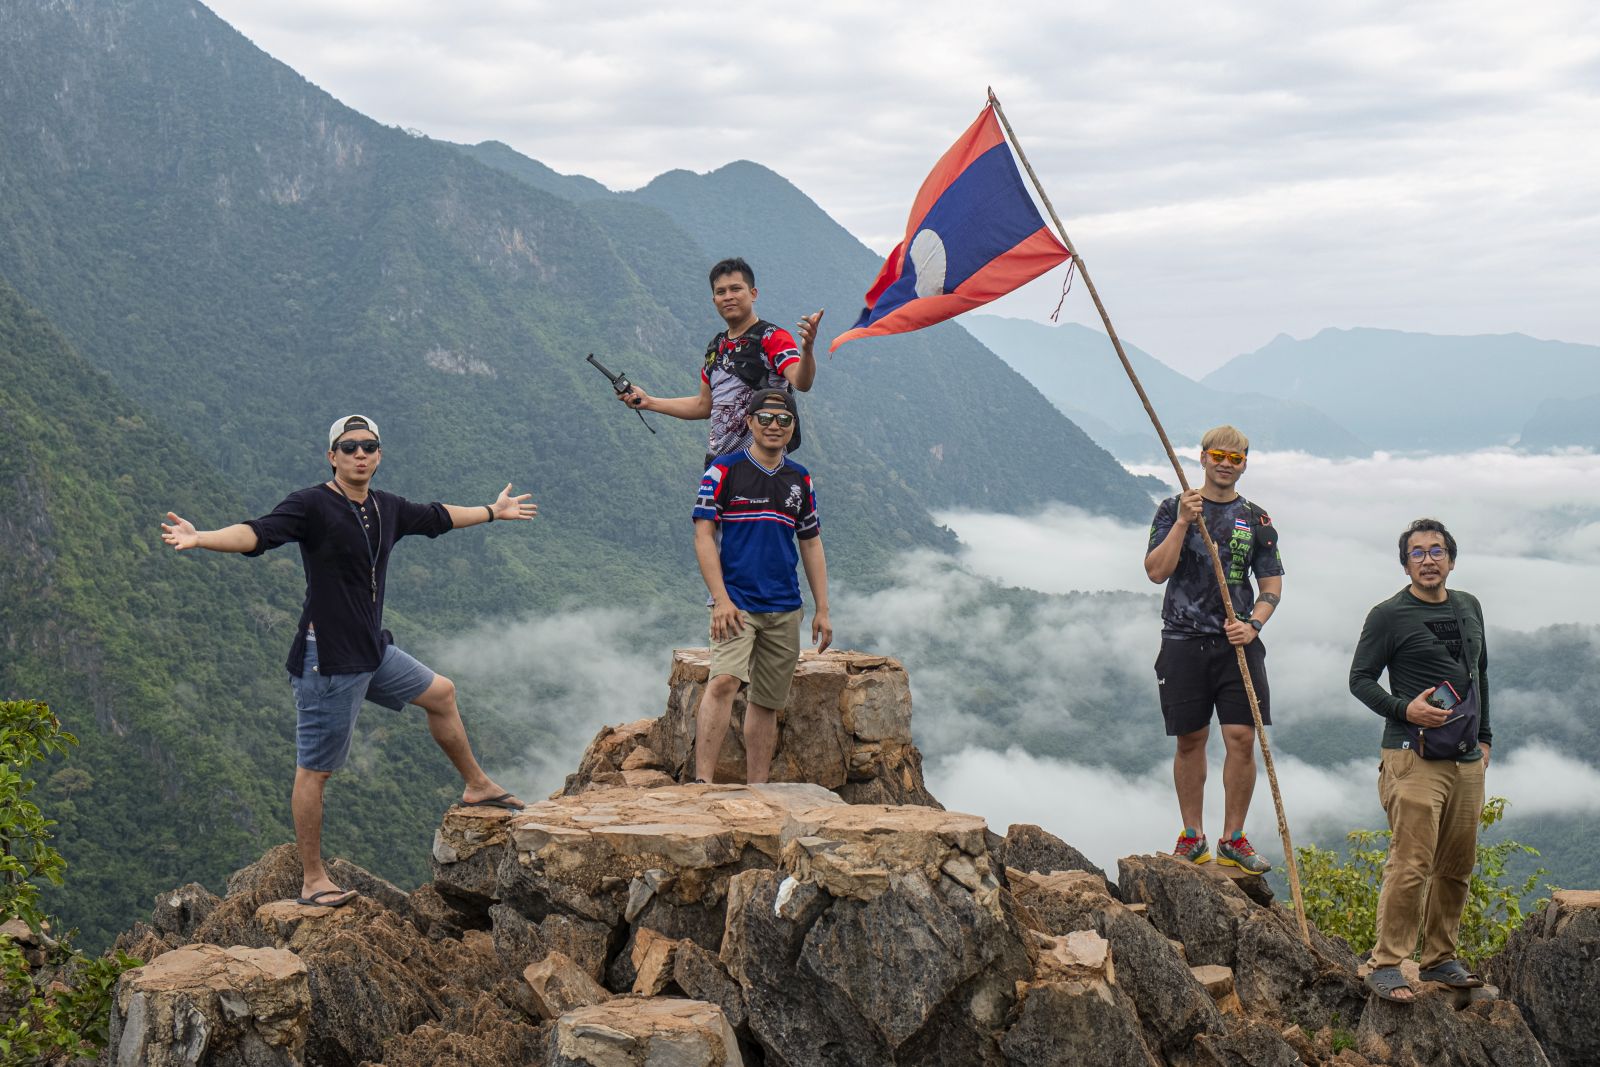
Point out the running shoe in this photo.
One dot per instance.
(1236, 852)
(1192, 846)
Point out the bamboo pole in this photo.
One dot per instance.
(1183, 482)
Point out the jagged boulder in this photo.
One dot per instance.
(645, 1032)
(375, 978)
(1035, 850)
(1550, 968)
(884, 939)
(1437, 1030)
(1073, 1013)
(1275, 974)
(208, 1004)
(1173, 1006)
(846, 727)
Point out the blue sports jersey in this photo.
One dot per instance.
(761, 513)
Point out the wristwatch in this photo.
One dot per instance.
(1255, 622)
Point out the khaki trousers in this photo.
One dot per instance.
(1433, 808)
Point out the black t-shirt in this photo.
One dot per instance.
(1192, 606)
(345, 548)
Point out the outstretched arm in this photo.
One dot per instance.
(679, 407)
(505, 508)
(181, 534)
(816, 565)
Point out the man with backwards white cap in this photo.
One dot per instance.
(341, 653)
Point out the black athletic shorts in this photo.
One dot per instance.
(1196, 674)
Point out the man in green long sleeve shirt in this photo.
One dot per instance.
(1426, 637)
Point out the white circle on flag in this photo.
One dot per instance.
(927, 258)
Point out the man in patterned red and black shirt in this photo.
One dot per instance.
(750, 354)
(765, 507)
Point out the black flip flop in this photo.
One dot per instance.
(508, 801)
(315, 899)
(1452, 973)
(1387, 981)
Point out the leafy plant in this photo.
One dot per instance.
(57, 1005)
(1341, 890)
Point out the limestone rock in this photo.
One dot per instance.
(866, 949)
(700, 975)
(1173, 1007)
(1274, 973)
(1551, 969)
(846, 726)
(652, 957)
(1034, 850)
(1072, 1012)
(1242, 1042)
(1433, 1030)
(559, 985)
(645, 1032)
(206, 1004)
(601, 765)
(180, 912)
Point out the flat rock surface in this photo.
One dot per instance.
(646, 1032)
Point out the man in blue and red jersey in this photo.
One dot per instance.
(750, 354)
(765, 507)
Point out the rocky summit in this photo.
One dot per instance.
(836, 918)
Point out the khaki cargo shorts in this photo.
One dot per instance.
(763, 654)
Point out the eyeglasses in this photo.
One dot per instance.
(1218, 455)
(767, 418)
(349, 447)
(1435, 553)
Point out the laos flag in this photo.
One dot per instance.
(973, 235)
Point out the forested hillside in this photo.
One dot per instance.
(214, 258)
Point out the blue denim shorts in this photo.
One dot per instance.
(327, 705)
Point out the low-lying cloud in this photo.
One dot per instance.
(1031, 652)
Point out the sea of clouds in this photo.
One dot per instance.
(994, 674)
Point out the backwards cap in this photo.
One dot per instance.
(343, 426)
(769, 397)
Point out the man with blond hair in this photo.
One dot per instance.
(1197, 671)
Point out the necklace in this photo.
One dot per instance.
(372, 553)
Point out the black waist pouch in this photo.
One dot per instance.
(1456, 737)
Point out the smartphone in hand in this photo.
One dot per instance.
(1445, 696)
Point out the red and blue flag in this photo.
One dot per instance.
(974, 235)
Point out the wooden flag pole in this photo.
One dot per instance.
(1183, 482)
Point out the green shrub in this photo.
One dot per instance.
(58, 1009)
(1341, 890)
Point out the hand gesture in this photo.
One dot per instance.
(808, 329)
(821, 630)
(179, 533)
(726, 619)
(506, 506)
(1421, 713)
(634, 397)
(1190, 507)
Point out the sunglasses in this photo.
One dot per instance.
(1218, 455)
(349, 447)
(1435, 553)
(767, 418)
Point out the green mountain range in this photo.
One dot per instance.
(1078, 370)
(207, 259)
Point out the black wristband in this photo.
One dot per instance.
(490, 509)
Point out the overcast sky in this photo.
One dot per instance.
(1229, 171)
